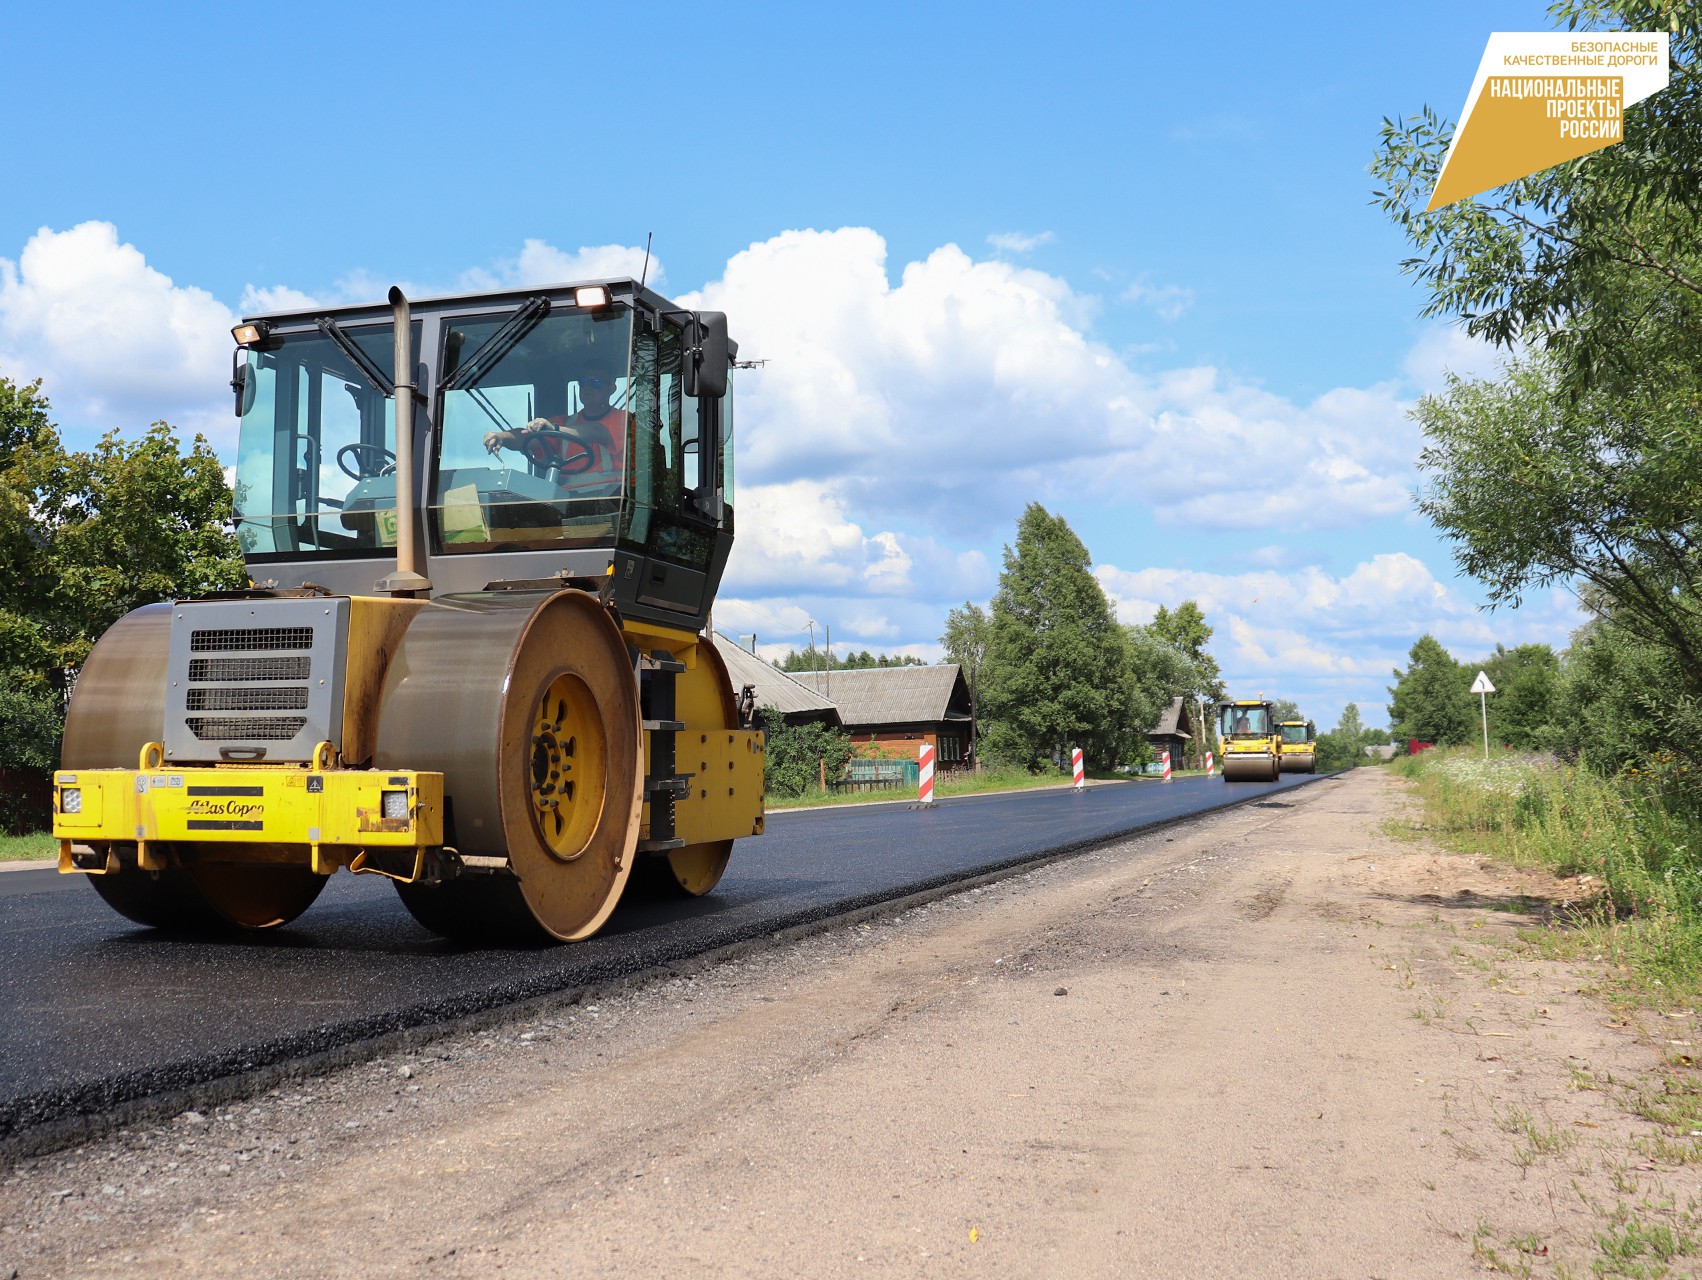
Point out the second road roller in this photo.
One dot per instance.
(483, 534)
(1252, 748)
(1299, 746)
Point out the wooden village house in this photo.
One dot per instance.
(899, 708)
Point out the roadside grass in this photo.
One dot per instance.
(23, 848)
(1645, 1239)
(1632, 845)
(964, 783)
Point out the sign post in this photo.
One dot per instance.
(1483, 689)
(1077, 769)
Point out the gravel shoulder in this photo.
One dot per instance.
(1278, 1041)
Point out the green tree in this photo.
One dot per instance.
(1165, 671)
(1431, 699)
(1186, 628)
(813, 659)
(1536, 486)
(965, 642)
(1527, 683)
(1619, 701)
(1282, 709)
(129, 523)
(1344, 746)
(84, 538)
(28, 445)
(1059, 671)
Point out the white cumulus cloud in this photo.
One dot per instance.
(945, 393)
(541, 263)
(115, 342)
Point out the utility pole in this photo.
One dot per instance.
(827, 684)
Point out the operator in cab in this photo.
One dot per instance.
(584, 454)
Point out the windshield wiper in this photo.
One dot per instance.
(362, 362)
(499, 344)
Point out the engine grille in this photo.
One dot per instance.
(244, 661)
(246, 729)
(286, 699)
(250, 668)
(230, 639)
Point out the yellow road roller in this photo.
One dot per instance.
(1252, 750)
(1299, 746)
(483, 533)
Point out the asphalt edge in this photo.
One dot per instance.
(62, 1132)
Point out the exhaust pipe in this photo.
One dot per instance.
(406, 580)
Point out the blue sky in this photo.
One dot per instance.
(1119, 259)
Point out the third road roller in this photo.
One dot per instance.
(483, 534)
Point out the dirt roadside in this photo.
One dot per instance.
(1277, 1042)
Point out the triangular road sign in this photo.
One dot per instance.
(1481, 684)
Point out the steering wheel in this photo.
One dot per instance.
(351, 460)
(580, 456)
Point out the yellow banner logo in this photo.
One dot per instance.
(1544, 97)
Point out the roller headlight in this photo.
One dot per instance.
(70, 800)
(395, 804)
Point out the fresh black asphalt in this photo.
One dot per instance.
(97, 1013)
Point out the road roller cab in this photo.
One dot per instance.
(473, 658)
(1251, 744)
(1299, 746)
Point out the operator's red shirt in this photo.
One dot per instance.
(604, 436)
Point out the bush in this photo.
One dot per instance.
(32, 717)
(798, 754)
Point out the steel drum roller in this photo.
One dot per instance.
(528, 705)
(1249, 768)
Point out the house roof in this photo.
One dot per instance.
(1173, 723)
(774, 688)
(893, 695)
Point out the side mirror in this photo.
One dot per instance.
(706, 355)
(241, 384)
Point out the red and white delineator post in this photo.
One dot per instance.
(1080, 769)
(925, 785)
(1209, 764)
(1166, 760)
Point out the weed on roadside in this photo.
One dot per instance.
(1511, 1255)
(1645, 1239)
(1536, 1140)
